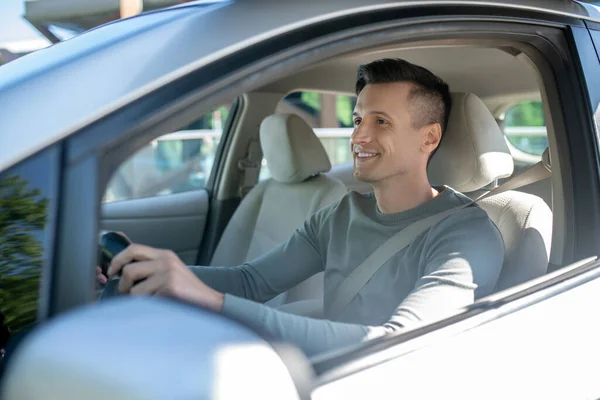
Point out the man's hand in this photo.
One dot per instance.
(146, 270)
(101, 279)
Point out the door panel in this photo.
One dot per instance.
(174, 222)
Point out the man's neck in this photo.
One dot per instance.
(402, 193)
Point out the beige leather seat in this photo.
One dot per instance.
(274, 208)
(473, 154)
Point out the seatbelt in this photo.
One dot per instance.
(363, 273)
(250, 167)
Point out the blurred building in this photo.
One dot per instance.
(58, 20)
(55, 17)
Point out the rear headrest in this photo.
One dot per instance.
(473, 152)
(291, 148)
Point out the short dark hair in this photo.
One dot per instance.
(430, 94)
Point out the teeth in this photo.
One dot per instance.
(366, 155)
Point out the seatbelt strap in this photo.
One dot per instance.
(358, 278)
(250, 167)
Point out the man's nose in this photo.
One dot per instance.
(361, 135)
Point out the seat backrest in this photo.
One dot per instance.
(525, 222)
(271, 212)
(473, 154)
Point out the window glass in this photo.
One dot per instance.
(174, 163)
(27, 198)
(525, 127)
(330, 115)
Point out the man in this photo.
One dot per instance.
(400, 116)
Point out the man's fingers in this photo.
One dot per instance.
(137, 271)
(100, 276)
(133, 252)
(149, 286)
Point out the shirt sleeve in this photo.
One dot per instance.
(273, 273)
(458, 261)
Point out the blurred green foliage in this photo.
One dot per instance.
(22, 218)
(529, 113)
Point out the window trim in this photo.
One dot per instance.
(217, 170)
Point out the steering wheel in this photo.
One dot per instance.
(110, 244)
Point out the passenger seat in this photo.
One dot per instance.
(271, 212)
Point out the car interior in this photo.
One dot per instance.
(474, 156)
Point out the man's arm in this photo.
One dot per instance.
(267, 276)
(465, 257)
(271, 274)
(468, 257)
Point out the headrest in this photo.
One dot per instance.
(473, 152)
(291, 148)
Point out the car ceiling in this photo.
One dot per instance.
(496, 76)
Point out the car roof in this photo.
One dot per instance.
(51, 93)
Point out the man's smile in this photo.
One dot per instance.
(363, 154)
(366, 155)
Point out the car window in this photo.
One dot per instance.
(174, 163)
(525, 128)
(27, 200)
(330, 115)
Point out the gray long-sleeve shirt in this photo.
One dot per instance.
(443, 269)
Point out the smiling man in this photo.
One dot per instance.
(400, 117)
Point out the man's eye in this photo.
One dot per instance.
(381, 121)
(357, 121)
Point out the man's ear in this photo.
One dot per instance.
(432, 135)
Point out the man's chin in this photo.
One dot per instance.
(362, 177)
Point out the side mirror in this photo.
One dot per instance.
(152, 348)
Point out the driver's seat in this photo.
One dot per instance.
(473, 155)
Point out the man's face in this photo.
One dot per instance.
(385, 143)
